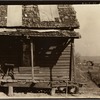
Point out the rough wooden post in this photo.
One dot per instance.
(74, 69)
(72, 60)
(53, 90)
(66, 88)
(10, 91)
(32, 59)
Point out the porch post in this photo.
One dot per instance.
(10, 91)
(72, 69)
(32, 58)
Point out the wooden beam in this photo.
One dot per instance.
(72, 60)
(32, 58)
(66, 88)
(10, 91)
(74, 69)
(53, 90)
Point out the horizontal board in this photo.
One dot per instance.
(57, 42)
(28, 68)
(53, 63)
(62, 64)
(53, 75)
(54, 58)
(40, 79)
(43, 72)
(47, 68)
(22, 77)
(43, 78)
(53, 54)
(54, 69)
(67, 55)
(64, 52)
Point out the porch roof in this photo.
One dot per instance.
(41, 33)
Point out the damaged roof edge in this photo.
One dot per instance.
(41, 33)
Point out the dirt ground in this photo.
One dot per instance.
(90, 90)
(87, 91)
(42, 95)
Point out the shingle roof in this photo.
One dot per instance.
(31, 17)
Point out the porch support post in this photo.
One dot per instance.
(10, 91)
(72, 69)
(32, 58)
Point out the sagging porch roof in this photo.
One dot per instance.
(40, 33)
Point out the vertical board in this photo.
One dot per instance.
(48, 12)
(14, 15)
(26, 54)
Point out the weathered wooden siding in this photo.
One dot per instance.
(52, 60)
(26, 53)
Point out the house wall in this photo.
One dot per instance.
(51, 60)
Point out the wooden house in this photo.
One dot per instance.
(39, 50)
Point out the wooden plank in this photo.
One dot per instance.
(44, 73)
(53, 73)
(40, 78)
(71, 66)
(61, 64)
(58, 75)
(32, 59)
(22, 75)
(41, 56)
(29, 70)
(65, 51)
(24, 68)
(60, 70)
(10, 90)
(51, 61)
(54, 78)
(24, 78)
(55, 69)
(53, 90)
(68, 55)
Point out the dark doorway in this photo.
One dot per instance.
(10, 50)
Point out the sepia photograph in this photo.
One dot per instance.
(50, 51)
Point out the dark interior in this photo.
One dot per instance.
(10, 50)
